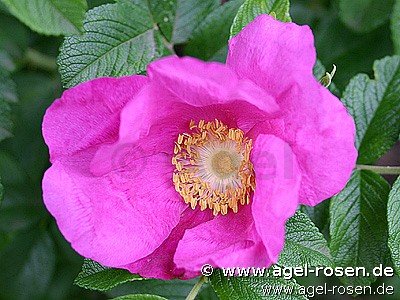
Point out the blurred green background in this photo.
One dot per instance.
(35, 260)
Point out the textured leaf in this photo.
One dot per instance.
(253, 8)
(395, 23)
(140, 297)
(170, 289)
(365, 15)
(97, 277)
(304, 244)
(52, 17)
(177, 19)
(319, 215)
(118, 39)
(358, 228)
(213, 32)
(375, 107)
(394, 224)
(254, 288)
(27, 265)
(94, 3)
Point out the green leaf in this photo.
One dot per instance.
(177, 19)
(304, 244)
(358, 228)
(375, 107)
(394, 224)
(319, 215)
(140, 297)
(27, 265)
(97, 277)
(364, 15)
(170, 289)
(14, 39)
(254, 288)
(118, 39)
(94, 3)
(253, 8)
(213, 32)
(395, 25)
(207, 293)
(51, 17)
(189, 15)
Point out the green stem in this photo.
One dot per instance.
(384, 170)
(196, 288)
(38, 60)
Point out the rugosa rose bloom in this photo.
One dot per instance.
(197, 162)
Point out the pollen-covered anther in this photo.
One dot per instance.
(212, 167)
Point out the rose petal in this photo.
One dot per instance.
(215, 242)
(280, 58)
(268, 52)
(160, 263)
(200, 83)
(118, 218)
(88, 114)
(277, 190)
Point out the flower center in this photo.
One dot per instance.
(213, 167)
(224, 164)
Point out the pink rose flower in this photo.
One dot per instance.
(197, 162)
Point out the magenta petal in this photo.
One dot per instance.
(216, 242)
(156, 115)
(160, 263)
(321, 133)
(280, 58)
(88, 114)
(200, 83)
(277, 189)
(268, 52)
(324, 143)
(118, 218)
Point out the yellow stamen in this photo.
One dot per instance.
(213, 167)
